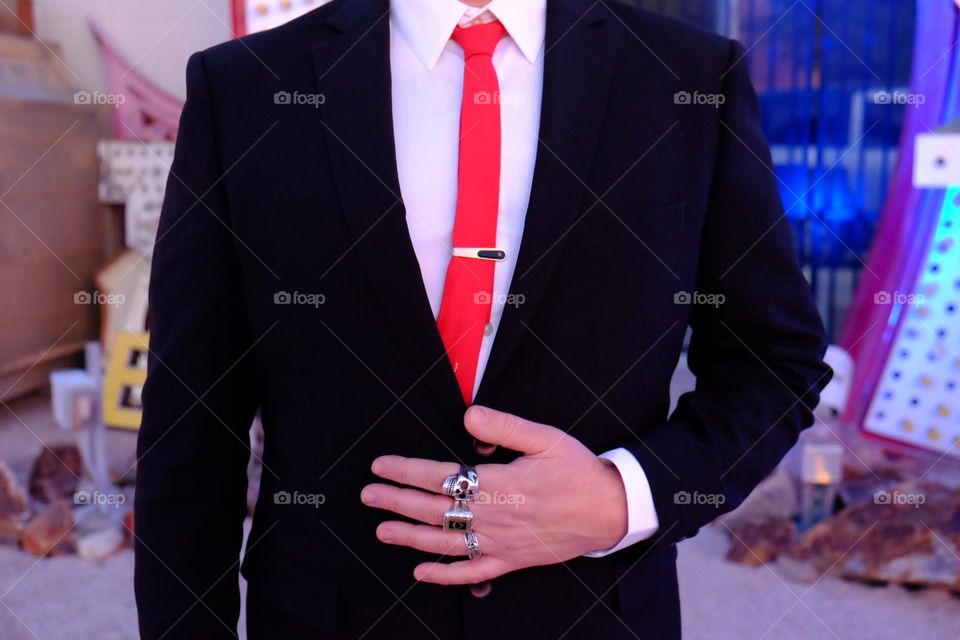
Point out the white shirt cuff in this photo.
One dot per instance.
(641, 514)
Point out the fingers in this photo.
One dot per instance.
(412, 503)
(426, 538)
(461, 572)
(423, 474)
(510, 431)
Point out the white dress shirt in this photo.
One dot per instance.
(427, 71)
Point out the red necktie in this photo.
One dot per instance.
(468, 288)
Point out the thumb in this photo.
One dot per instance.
(510, 431)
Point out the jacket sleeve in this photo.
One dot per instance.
(198, 401)
(757, 355)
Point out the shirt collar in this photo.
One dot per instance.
(427, 24)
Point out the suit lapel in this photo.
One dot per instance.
(353, 71)
(578, 62)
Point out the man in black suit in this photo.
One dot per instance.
(379, 215)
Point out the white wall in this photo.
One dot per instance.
(155, 36)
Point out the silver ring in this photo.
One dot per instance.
(463, 486)
(459, 518)
(473, 545)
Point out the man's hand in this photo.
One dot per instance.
(555, 503)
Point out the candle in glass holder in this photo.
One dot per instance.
(821, 469)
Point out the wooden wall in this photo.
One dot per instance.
(52, 228)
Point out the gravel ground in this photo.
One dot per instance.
(69, 598)
(726, 601)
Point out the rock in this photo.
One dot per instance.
(13, 499)
(56, 473)
(128, 531)
(14, 506)
(50, 532)
(797, 570)
(100, 544)
(10, 529)
(859, 485)
(759, 541)
(908, 534)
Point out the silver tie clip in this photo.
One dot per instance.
(478, 253)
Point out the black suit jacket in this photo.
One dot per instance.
(638, 197)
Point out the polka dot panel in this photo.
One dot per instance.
(267, 14)
(917, 402)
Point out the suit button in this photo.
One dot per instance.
(484, 449)
(481, 590)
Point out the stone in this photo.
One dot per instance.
(13, 499)
(50, 532)
(128, 531)
(56, 473)
(859, 484)
(794, 569)
(908, 534)
(10, 529)
(760, 541)
(100, 544)
(14, 506)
